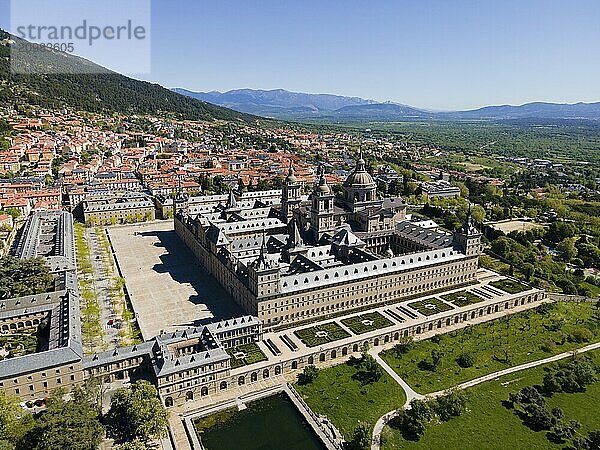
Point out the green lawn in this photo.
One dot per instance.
(339, 395)
(510, 286)
(488, 425)
(321, 334)
(430, 306)
(462, 298)
(495, 345)
(253, 355)
(367, 322)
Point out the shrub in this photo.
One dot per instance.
(581, 335)
(465, 360)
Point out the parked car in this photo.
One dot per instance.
(110, 322)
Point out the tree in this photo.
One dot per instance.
(414, 420)
(14, 422)
(450, 405)
(132, 445)
(406, 343)
(13, 212)
(20, 277)
(465, 360)
(360, 438)
(564, 432)
(567, 248)
(478, 213)
(66, 425)
(537, 416)
(308, 375)
(371, 369)
(137, 413)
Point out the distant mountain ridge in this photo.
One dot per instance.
(277, 102)
(282, 104)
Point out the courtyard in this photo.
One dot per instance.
(166, 285)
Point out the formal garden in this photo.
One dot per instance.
(430, 306)
(245, 354)
(321, 334)
(510, 286)
(352, 394)
(19, 343)
(367, 322)
(491, 422)
(462, 298)
(449, 359)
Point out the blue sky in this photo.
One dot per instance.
(441, 54)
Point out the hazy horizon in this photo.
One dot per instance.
(431, 54)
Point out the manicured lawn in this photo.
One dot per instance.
(338, 394)
(488, 425)
(367, 322)
(495, 345)
(253, 355)
(321, 334)
(462, 298)
(430, 306)
(510, 286)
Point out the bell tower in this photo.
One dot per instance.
(321, 211)
(290, 197)
(468, 238)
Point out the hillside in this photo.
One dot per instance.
(106, 92)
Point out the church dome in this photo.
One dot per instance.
(360, 177)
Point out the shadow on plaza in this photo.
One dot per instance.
(183, 267)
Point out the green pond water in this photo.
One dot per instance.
(271, 423)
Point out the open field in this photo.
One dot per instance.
(514, 225)
(339, 394)
(366, 322)
(495, 345)
(321, 334)
(489, 425)
(167, 288)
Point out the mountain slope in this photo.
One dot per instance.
(107, 92)
(277, 102)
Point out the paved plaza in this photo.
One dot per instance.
(168, 289)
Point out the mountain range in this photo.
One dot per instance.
(282, 104)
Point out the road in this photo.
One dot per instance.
(410, 393)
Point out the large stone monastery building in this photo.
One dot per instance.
(293, 258)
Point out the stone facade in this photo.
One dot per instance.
(301, 260)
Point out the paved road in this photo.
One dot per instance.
(383, 420)
(410, 393)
